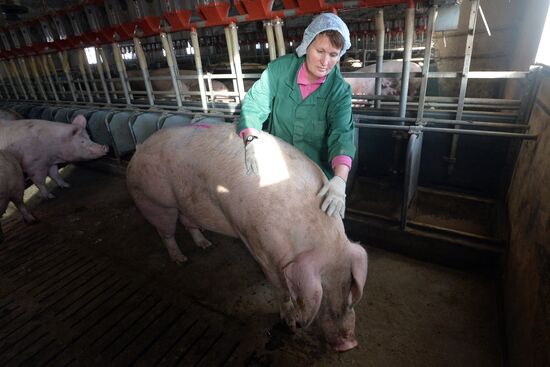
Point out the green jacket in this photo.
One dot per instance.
(321, 126)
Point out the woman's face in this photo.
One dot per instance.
(321, 56)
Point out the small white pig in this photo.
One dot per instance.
(390, 86)
(196, 175)
(40, 146)
(12, 185)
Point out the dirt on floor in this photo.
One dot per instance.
(412, 313)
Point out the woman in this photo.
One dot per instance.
(307, 103)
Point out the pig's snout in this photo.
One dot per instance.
(344, 344)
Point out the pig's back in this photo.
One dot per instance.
(189, 164)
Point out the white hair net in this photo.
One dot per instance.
(324, 22)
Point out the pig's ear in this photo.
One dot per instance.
(304, 284)
(79, 121)
(359, 266)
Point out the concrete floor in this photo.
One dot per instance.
(412, 313)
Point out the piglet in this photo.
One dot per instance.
(12, 185)
(40, 146)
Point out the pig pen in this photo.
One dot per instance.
(92, 284)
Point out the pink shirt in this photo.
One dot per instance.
(306, 88)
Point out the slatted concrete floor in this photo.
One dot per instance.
(61, 307)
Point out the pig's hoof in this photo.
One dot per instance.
(50, 196)
(204, 243)
(179, 258)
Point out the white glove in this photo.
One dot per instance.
(250, 157)
(335, 197)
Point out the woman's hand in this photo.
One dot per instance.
(334, 192)
(250, 155)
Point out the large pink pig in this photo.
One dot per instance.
(12, 185)
(196, 175)
(40, 146)
(390, 86)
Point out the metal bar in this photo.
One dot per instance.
(18, 78)
(281, 49)
(88, 69)
(81, 57)
(12, 83)
(480, 74)
(432, 17)
(237, 58)
(232, 61)
(407, 53)
(37, 77)
(198, 65)
(450, 131)
(6, 76)
(464, 82)
(380, 36)
(107, 70)
(142, 61)
(101, 76)
(443, 121)
(174, 73)
(272, 47)
(27, 77)
(121, 69)
(48, 60)
(64, 58)
(43, 63)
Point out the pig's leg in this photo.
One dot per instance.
(287, 311)
(164, 220)
(196, 233)
(53, 172)
(27, 216)
(38, 177)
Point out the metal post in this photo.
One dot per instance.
(5, 80)
(281, 49)
(43, 63)
(144, 70)
(81, 57)
(231, 61)
(432, 16)
(174, 72)
(101, 76)
(88, 68)
(198, 65)
(27, 78)
(237, 58)
(37, 77)
(8, 74)
(272, 47)
(18, 78)
(380, 36)
(121, 69)
(107, 70)
(64, 58)
(464, 82)
(407, 53)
